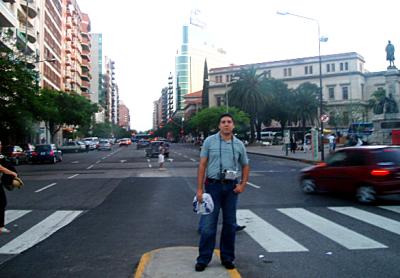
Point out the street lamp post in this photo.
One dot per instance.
(320, 39)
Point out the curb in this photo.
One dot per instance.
(287, 157)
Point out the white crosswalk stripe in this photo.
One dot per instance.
(12, 215)
(331, 230)
(370, 218)
(392, 208)
(39, 232)
(269, 237)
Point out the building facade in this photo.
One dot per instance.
(196, 47)
(346, 84)
(124, 118)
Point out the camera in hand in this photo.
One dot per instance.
(228, 175)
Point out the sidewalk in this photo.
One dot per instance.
(276, 151)
(179, 262)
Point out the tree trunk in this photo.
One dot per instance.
(258, 128)
(252, 124)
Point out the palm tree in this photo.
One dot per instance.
(306, 103)
(247, 94)
(281, 101)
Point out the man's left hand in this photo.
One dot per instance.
(239, 188)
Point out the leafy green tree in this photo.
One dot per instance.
(247, 94)
(206, 121)
(57, 109)
(18, 92)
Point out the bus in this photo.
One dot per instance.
(361, 129)
(141, 136)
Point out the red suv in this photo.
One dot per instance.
(365, 172)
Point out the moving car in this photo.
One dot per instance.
(365, 172)
(142, 143)
(153, 149)
(104, 145)
(46, 153)
(125, 142)
(15, 154)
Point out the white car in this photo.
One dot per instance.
(104, 145)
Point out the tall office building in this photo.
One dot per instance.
(96, 65)
(111, 92)
(196, 47)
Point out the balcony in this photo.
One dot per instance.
(85, 85)
(85, 76)
(30, 6)
(67, 61)
(85, 65)
(68, 23)
(7, 17)
(30, 31)
(86, 54)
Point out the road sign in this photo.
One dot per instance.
(324, 118)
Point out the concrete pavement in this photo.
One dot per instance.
(179, 261)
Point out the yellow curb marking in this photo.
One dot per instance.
(233, 273)
(145, 259)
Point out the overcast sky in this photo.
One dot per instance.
(143, 36)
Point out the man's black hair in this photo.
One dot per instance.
(225, 115)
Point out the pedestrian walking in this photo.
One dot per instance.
(223, 161)
(161, 155)
(3, 197)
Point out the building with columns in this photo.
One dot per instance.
(346, 84)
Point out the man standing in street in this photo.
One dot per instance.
(220, 157)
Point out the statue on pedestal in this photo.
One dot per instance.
(391, 105)
(390, 55)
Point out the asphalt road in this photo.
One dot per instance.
(95, 214)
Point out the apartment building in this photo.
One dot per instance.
(346, 84)
(124, 118)
(111, 92)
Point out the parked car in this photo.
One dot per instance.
(153, 149)
(28, 149)
(73, 147)
(104, 144)
(365, 172)
(14, 154)
(46, 153)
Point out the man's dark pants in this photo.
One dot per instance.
(224, 198)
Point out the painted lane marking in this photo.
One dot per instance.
(269, 237)
(44, 188)
(73, 176)
(123, 161)
(341, 235)
(90, 167)
(392, 208)
(12, 215)
(194, 160)
(39, 232)
(103, 158)
(75, 162)
(98, 161)
(253, 185)
(370, 218)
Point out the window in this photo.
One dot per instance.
(341, 66)
(219, 100)
(345, 92)
(268, 74)
(287, 72)
(362, 91)
(328, 67)
(308, 70)
(333, 67)
(346, 66)
(331, 91)
(227, 78)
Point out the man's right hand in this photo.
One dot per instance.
(199, 195)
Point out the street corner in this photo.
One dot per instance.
(179, 262)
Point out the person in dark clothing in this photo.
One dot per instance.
(3, 198)
(293, 144)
